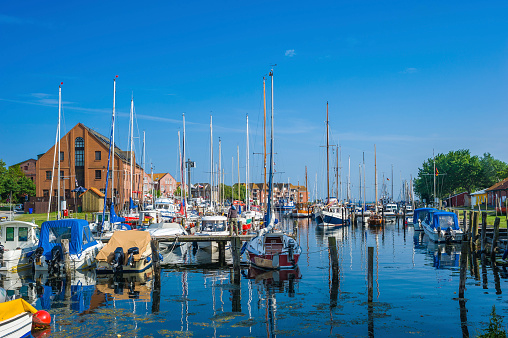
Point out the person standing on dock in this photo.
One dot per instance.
(232, 219)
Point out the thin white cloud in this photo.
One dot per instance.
(40, 95)
(290, 53)
(410, 71)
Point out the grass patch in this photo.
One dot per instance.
(40, 218)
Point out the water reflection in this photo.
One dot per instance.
(444, 256)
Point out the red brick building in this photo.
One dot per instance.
(165, 183)
(28, 168)
(83, 162)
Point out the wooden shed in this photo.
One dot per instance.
(92, 200)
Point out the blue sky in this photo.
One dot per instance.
(409, 77)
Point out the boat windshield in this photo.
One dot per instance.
(214, 225)
(58, 233)
(446, 221)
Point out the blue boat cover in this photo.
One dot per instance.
(420, 213)
(445, 220)
(131, 204)
(77, 231)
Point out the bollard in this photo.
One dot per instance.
(370, 273)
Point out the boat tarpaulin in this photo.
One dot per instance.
(125, 239)
(77, 231)
(15, 307)
(445, 220)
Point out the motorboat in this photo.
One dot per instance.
(126, 252)
(273, 250)
(331, 215)
(419, 215)
(166, 207)
(442, 226)
(83, 247)
(167, 229)
(18, 243)
(17, 318)
(212, 226)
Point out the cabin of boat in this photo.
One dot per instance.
(19, 241)
(442, 226)
(420, 215)
(375, 220)
(274, 251)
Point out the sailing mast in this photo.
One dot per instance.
(113, 148)
(264, 141)
(184, 197)
(327, 158)
(434, 174)
(337, 173)
(269, 209)
(143, 178)
(364, 195)
(349, 179)
(375, 175)
(219, 180)
(211, 163)
(58, 216)
(132, 157)
(247, 199)
(238, 163)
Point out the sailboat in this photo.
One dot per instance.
(375, 218)
(332, 213)
(272, 249)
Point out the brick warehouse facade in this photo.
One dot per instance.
(83, 162)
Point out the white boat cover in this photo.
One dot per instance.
(125, 239)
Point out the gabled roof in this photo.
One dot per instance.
(503, 185)
(94, 190)
(479, 192)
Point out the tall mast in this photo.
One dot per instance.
(270, 190)
(59, 135)
(306, 189)
(349, 179)
(392, 183)
(434, 174)
(180, 164)
(375, 175)
(219, 181)
(360, 183)
(232, 179)
(113, 147)
(327, 158)
(337, 173)
(364, 196)
(184, 197)
(211, 162)
(264, 141)
(238, 163)
(132, 157)
(340, 172)
(247, 199)
(143, 178)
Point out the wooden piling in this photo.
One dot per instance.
(474, 233)
(222, 252)
(493, 248)
(370, 274)
(67, 259)
(236, 246)
(484, 231)
(156, 263)
(464, 253)
(334, 257)
(464, 223)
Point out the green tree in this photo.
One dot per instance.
(492, 170)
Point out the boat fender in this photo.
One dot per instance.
(160, 257)
(148, 259)
(131, 252)
(41, 319)
(242, 250)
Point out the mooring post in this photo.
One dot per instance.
(222, 252)
(493, 248)
(334, 257)
(156, 275)
(370, 273)
(475, 231)
(404, 217)
(464, 253)
(67, 259)
(363, 218)
(86, 217)
(236, 245)
(464, 223)
(484, 231)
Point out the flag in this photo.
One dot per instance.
(437, 172)
(387, 179)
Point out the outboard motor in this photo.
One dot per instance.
(118, 259)
(2, 255)
(131, 252)
(56, 258)
(36, 257)
(449, 235)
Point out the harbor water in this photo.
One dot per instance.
(416, 285)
